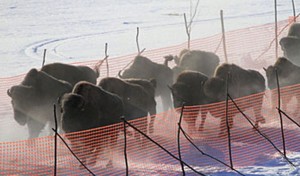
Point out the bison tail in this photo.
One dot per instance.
(97, 69)
(167, 59)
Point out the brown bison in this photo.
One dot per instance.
(148, 85)
(291, 44)
(144, 68)
(187, 90)
(197, 89)
(89, 106)
(241, 82)
(195, 60)
(133, 94)
(33, 100)
(71, 73)
(288, 74)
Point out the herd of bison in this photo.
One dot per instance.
(198, 78)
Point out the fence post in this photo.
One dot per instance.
(55, 141)
(178, 140)
(280, 115)
(125, 146)
(227, 124)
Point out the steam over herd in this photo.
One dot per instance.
(198, 78)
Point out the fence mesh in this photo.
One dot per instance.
(252, 48)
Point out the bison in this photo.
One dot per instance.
(288, 74)
(195, 60)
(187, 90)
(143, 68)
(132, 112)
(133, 94)
(71, 73)
(195, 88)
(291, 44)
(239, 82)
(89, 106)
(33, 100)
(148, 85)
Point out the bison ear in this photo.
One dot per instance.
(33, 72)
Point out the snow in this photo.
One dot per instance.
(74, 30)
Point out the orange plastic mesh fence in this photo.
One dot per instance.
(251, 48)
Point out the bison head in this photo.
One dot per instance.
(290, 49)
(76, 113)
(182, 95)
(21, 97)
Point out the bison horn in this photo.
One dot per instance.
(119, 74)
(9, 92)
(264, 68)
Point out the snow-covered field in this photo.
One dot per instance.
(74, 30)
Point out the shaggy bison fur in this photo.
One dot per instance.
(144, 68)
(290, 44)
(288, 74)
(195, 60)
(195, 88)
(33, 100)
(132, 93)
(89, 106)
(240, 82)
(187, 90)
(71, 73)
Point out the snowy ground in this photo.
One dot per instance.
(73, 30)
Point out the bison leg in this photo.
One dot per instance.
(96, 147)
(152, 118)
(257, 113)
(297, 111)
(166, 100)
(274, 99)
(191, 122)
(142, 125)
(285, 101)
(34, 128)
(223, 125)
(112, 146)
(203, 118)
(151, 124)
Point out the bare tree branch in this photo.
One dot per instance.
(137, 42)
(188, 25)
